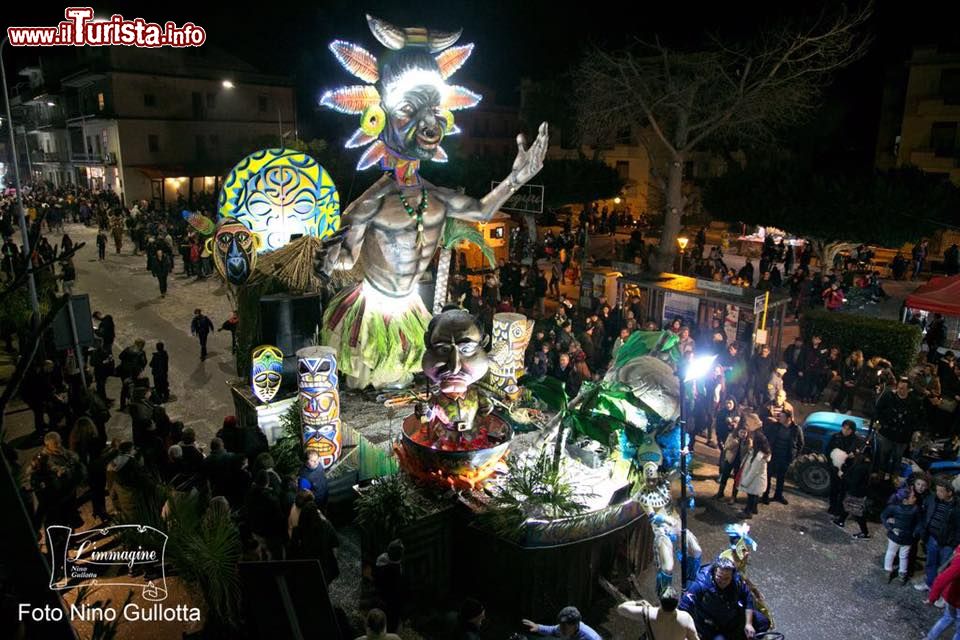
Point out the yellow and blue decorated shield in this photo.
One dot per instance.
(281, 194)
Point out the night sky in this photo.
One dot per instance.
(523, 38)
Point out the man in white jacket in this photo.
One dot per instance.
(664, 622)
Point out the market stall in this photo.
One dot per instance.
(667, 296)
(939, 295)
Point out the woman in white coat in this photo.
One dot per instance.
(753, 476)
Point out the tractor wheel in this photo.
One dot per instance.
(812, 474)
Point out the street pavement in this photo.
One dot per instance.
(122, 287)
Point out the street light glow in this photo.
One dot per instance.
(51, 104)
(683, 241)
(698, 367)
(616, 200)
(227, 84)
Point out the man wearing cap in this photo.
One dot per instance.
(568, 626)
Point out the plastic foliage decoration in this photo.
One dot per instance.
(266, 372)
(409, 78)
(281, 194)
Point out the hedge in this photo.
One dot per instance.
(897, 342)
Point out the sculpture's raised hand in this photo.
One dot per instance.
(529, 160)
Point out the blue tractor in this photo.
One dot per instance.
(811, 470)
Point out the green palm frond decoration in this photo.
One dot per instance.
(457, 231)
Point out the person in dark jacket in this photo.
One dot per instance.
(265, 516)
(900, 521)
(470, 619)
(940, 527)
(721, 603)
(161, 266)
(192, 455)
(389, 582)
(313, 478)
(226, 474)
(848, 442)
(856, 481)
(160, 368)
(201, 326)
(786, 443)
(132, 363)
(900, 413)
(106, 329)
(241, 440)
(315, 538)
(762, 366)
(850, 371)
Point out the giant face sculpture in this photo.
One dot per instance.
(266, 372)
(320, 402)
(454, 357)
(407, 108)
(279, 194)
(234, 248)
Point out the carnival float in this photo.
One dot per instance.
(481, 471)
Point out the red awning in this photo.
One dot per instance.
(940, 295)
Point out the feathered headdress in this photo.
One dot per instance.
(387, 82)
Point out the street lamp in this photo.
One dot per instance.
(682, 242)
(227, 84)
(616, 200)
(690, 371)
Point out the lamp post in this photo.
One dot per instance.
(24, 233)
(682, 242)
(690, 371)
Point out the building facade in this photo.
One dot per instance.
(162, 124)
(920, 114)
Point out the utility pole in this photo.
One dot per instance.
(24, 233)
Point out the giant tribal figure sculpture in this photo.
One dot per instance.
(392, 231)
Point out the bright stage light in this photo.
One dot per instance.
(698, 367)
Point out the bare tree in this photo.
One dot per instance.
(681, 101)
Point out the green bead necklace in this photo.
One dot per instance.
(418, 212)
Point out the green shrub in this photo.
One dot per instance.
(895, 341)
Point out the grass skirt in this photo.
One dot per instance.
(379, 339)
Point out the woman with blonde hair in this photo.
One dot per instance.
(849, 374)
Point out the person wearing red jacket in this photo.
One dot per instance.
(947, 586)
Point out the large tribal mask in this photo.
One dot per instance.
(266, 372)
(234, 248)
(407, 106)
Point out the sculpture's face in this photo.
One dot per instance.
(235, 250)
(455, 357)
(415, 122)
(266, 373)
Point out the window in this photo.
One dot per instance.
(623, 169)
(943, 138)
(153, 143)
(201, 145)
(197, 105)
(211, 100)
(262, 104)
(149, 100)
(950, 86)
(101, 103)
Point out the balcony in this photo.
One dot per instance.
(935, 106)
(44, 156)
(108, 158)
(929, 160)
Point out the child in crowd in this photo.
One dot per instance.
(900, 519)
